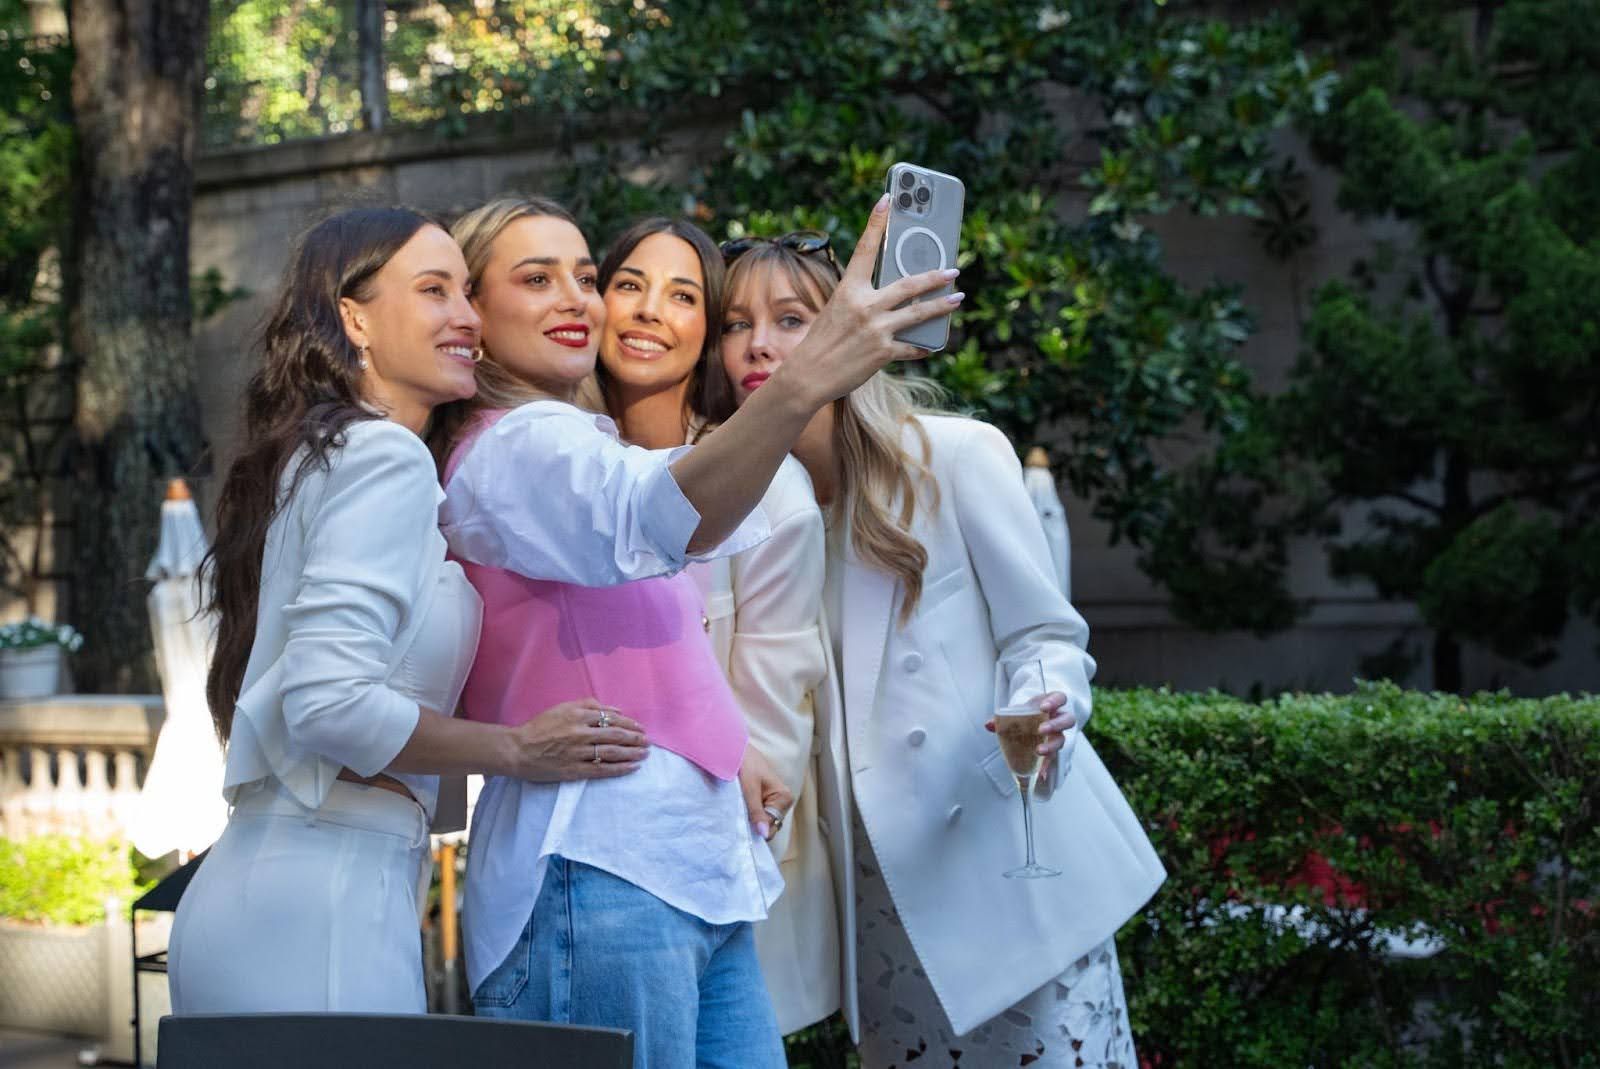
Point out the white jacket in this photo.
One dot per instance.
(350, 571)
(764, 613)
(937, 799)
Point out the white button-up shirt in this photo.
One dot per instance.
(550, 492)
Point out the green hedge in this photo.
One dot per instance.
(1381, 813)
(56, 879)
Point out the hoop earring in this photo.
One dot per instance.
(361, 357)
(477, 355)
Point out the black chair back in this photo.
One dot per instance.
(394, 1041)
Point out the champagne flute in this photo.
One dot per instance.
(1016, 725)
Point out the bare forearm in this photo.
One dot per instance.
(574, 740)
(725, 476)
(443, 745)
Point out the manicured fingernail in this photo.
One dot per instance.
(764, 830)
(950, 272)
(955, 298)
(883, 202)
(1044, 750)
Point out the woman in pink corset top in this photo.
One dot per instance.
(623, 901)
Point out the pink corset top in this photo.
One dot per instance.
(640, 647)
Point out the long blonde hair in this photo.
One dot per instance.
(879, 482)
(476, 232)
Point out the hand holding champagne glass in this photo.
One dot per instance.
(1017, 726)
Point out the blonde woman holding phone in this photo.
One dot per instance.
(937, 570)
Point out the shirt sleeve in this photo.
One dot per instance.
(371, 547)
(777, 659)
(1029, 615)
(550, 495)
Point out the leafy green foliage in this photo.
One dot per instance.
(282, 69)
(824, 1045)
(55, 879)
(1379, 814)
(1071, 125)
(1452, 385)
(35, 145)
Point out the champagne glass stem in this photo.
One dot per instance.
(1025, 786)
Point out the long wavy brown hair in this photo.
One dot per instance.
(708, 387)
(302, 397)
(880, 483)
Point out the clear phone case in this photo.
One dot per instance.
(924, 234)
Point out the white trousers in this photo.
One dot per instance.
(306, 910)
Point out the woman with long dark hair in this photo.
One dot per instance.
(660, 376)
(344, 638)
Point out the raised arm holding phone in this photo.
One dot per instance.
(625, 901)
(853, 337)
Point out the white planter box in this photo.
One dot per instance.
(78, 981)
(30, 673)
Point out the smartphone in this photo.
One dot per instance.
(924, 234)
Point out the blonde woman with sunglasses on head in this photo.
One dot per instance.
(937, 570)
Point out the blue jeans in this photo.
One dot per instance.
(600, 951)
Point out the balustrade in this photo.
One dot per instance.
(72, 764)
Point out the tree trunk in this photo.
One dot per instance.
(369, 47)
(136, 85)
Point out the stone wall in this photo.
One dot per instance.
(251, 202)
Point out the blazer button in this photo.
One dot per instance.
(912, 661)
(705, 623)
(950, 817)
(917, 737)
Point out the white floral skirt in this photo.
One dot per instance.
(1080, 1018)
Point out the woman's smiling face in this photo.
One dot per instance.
(655, 316)
(541, 312)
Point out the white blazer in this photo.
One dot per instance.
(351, 569)
(764, 613)
(937, 799)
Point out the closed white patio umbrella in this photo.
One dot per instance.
(1052, 514)
(181, 806)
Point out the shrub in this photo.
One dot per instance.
(56, 879)
(1379, 814)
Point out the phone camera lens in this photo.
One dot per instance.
(924, 194)
(906, 179)
(905, 200)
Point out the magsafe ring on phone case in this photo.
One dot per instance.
(923, 234)
(924, 254)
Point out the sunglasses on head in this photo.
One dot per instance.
(804, 242)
